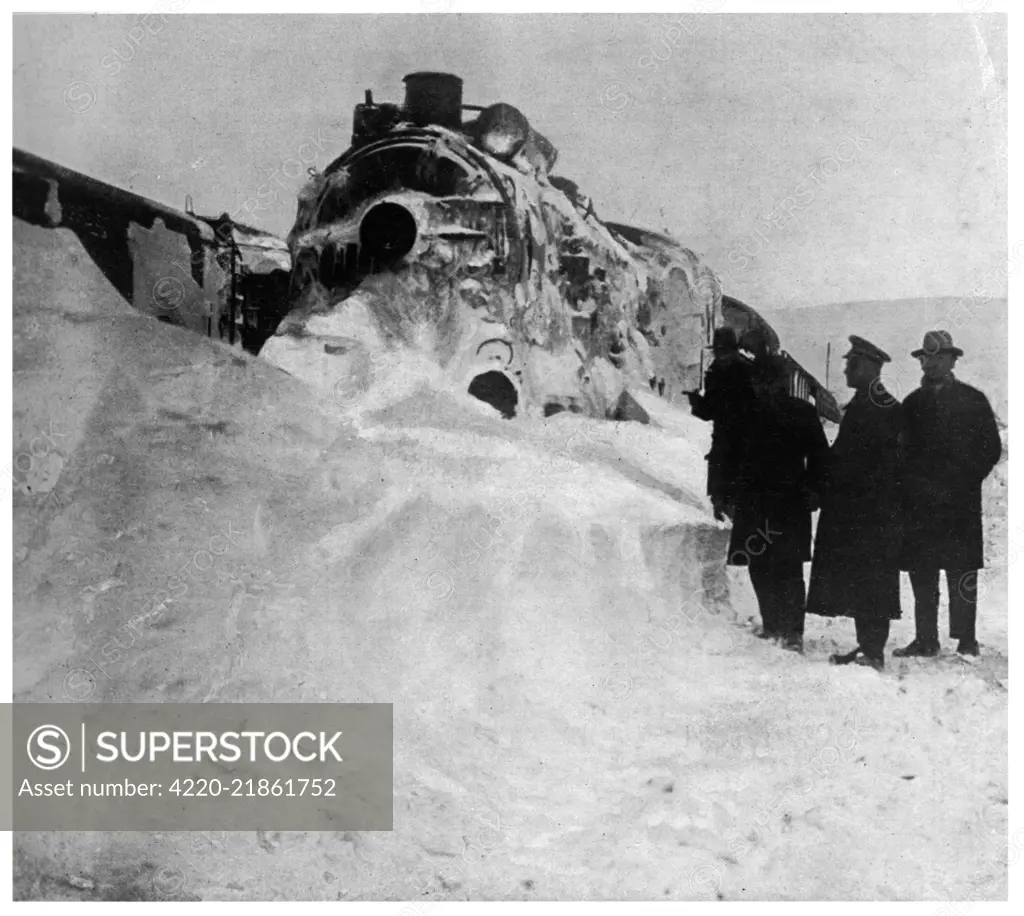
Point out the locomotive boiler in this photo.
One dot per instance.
(443, 230)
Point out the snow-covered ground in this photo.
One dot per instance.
(581, 708)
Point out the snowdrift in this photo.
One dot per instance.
(580, 710)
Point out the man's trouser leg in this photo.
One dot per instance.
(719, 476)
(872, 635)
(925, 583)
(793, 599)
(963, 603)
(714, 474)
(863, 634)
(762, 577)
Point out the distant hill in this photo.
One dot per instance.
(898, 326)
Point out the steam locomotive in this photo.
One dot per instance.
(443, 229)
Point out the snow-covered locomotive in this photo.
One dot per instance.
(449, 235)
(440, 238)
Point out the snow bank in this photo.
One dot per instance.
(580, 708)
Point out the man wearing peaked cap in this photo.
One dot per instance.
(855, 570)
(861, 347)
(952, 445)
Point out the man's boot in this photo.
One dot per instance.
(968, 647)
(845, 659)
(871, 661)
(917, 649)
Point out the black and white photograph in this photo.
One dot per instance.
(465, 452)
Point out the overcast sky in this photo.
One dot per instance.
(867, 151)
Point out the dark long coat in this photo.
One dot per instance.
(728, 380)
(855, 572)
(728, 396)
(952, 445)
(782, 469)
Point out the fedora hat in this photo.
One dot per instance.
(937, 342)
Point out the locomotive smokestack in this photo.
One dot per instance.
(434, 98)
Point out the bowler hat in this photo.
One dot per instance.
(861, 347)
(937, 342)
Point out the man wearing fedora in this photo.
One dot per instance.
(855, 571)
(952, 444)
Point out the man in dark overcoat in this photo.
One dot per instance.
(952, 445)
(778, 485)
(728, 395)
(855, 572)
